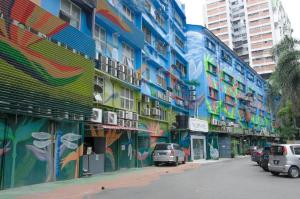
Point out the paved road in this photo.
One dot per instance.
(238, 179)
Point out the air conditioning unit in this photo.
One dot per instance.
(146, 99)
(110, 118)
(193, 98)
(128, 123)
(122, 68)
(214, 121)
(121, 122)
(130, 72)
(114, 72)
(170, 99)
(135, 124)
(159, 94)
(98, 97)
(147, 111)
(97, 115)
(136, 82)
(129, 79)
(231, 124)
(155, 111)
(135, 116)
(121, 76)
(121, 114)
(104, 64)
(129, 115)
(114, 64)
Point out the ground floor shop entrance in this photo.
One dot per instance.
(198, 147)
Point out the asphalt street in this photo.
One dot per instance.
(237, 179)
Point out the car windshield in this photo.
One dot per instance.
(163, 147)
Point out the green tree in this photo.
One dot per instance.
(284, 86)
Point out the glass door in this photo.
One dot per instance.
(198, 149)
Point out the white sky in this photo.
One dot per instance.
(194, 9)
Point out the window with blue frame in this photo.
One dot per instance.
(259, 83)
(259, 97)
(250, 76)
(147, 34)
(241, 87)
(251, 91)
(228, 78)
(210, 45)
(181, 68)
(211, 68)
(226, 57)
(128, 13)
(240, 69)
(159, 18)
(161, 47)
(178, 19)
(179, 42)
(148, 6)
(161, 79)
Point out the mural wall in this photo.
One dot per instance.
(36, 150)
(37, 66)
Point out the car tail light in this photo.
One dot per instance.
(284, 152)
(172, 153)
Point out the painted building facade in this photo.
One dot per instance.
(92, 86)
(45, 98)
(234, 99)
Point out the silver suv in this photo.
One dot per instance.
(285, 158)
(168, 153)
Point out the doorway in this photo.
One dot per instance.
(198, 147)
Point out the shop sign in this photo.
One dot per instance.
(198, 125)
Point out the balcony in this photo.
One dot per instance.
(113, 18)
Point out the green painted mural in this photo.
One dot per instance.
(38, 67)
(36, 150)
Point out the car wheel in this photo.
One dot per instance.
(293, 172)
(265, 169)
(275, 173)
(183, 162)
(176, 162)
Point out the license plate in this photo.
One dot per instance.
(276, 161)
(161, 154)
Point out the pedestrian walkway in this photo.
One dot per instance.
(85, 187)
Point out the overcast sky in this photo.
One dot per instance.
(194, 9)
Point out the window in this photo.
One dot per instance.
(147, 34)
(258, 83)
(229, 100)
(128, 13)
(227, 78)
(128, 56)
(226, 57)
(240, 69)
(178, 90)
(178, 19)
(179, 42)
(163, 114)
(259, 97)
(181, 67)
(127, 100)
(70, 13)
(159, 19)
(161, 79)
(241, 87)
(148, 6)
(100, 37)
(251, 91)
(213, 93)
(250, 76)
(147, 74)
(161, 47)
(98, 89)
(115, 39)
(210, 45)
(297, 150)
(212, 68)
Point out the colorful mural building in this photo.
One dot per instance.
(91, 86)
(234, 98)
